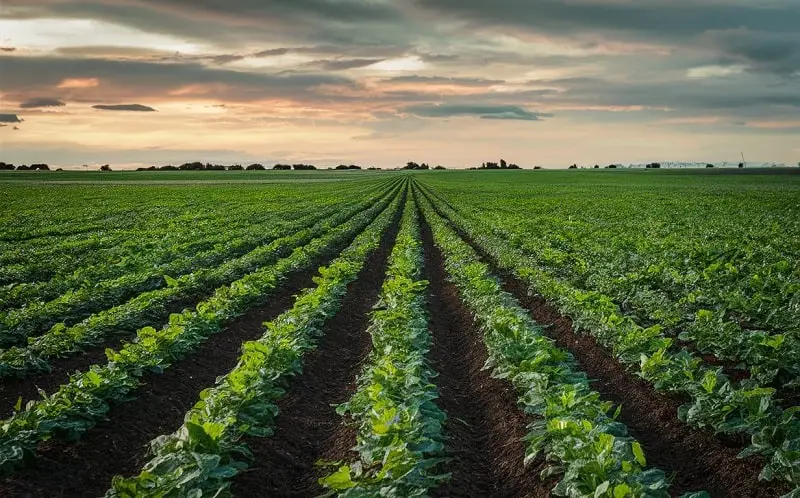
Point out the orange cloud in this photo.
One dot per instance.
(79, 83)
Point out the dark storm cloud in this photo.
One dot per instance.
(770, 52)
(25, 75)
(479, 110)
(41, 102)
(230, 22)
(669, 18)
(763, 35)
(673, 94)
(9, 118)
(124, 107)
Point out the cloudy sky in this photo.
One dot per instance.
(382, 82)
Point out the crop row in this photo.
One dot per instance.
(738, 305)
(142, 257)
(207, 451)
(128, 230)
(574, 429)
(18, 325)
(716, 401)
(92, 296)
(78, 405)
(151, 306)
(399, 439)
(168, 258)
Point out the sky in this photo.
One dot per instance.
(380, 82)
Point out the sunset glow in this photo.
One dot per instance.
(455, 82)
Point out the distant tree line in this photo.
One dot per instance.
(501, 165)
(23, 167)
(198, 166)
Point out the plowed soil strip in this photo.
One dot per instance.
(484, 426)
(698, 459)
(11, 389)
(119, 446)
(308, 428)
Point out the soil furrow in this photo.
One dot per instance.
(119, 445)
(484, 426)
(308, 428)
(696, 458)
(11, 389)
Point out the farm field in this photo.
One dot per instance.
(378, 333)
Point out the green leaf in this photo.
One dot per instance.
(339, 480)
(602, 489)
(638, 453)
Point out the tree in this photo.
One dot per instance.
(741, 165)
(282, 167)
(574, 166)
(236, 167)
(303, 167)
(40, 167)
(105, 167)
(537, 167)
(6, 166)
(439, 166)
(23, 167)
(709, 165)
(503, 164)
(255, 167)
(195, 166)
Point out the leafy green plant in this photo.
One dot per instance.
(574, 428)
(204, 454)
(77, 405)
(399, 439)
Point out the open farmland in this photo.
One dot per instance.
(487, 333)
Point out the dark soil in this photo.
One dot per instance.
(119, 446)
(11, 389)
(61, 368)
(696, 459)
(308, 428)
(700, 460)
(484, 426)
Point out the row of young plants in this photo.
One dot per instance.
(716, 402)
(150, 307)
(128, 229)
(162, 248)
(168, 257)
(110, 238)
(399, 440)
(575, 431)
(77, 304)
(700, 318)
(84, 400)
(737, 307)
(90, 296)
(203, 456)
